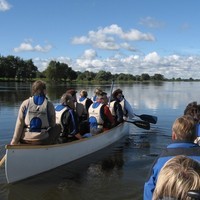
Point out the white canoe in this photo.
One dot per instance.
(23, 161)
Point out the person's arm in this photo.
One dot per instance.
(20, 123)
(108, 115)
(119, 112)
(129, 108)
(51, 114)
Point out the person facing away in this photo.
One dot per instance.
(182, 174)
(126, 107)
(79, 108)
(36, 121)
(100, 117)
(193, 109)
(116, 108)
(67, 118)
(183, 136)
(83, 99)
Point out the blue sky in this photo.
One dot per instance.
(120, 36)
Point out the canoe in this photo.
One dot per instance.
(24, 161)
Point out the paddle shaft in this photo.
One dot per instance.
(111, 90)
(2, 160)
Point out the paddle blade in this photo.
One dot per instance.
(140, 124)
(149, 118)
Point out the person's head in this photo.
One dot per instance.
(193, 109)
(83, 93)
(73, 93)
(97, 91)
(117, 94)
(67, 100)
(184, 128)
(39, 88)
(179, 175)
(102, 97)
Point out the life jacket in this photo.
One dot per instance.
(122, 102)
(60, 110)
(111, 107)
(36, 116)
(82, 100)
(95, 115)
(94, 98)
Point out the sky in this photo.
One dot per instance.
(120, 36)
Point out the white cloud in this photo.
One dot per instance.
(109, 38)
(25, 46)
(170, 66)
(150, 22)
(152, 57)
(4, 5)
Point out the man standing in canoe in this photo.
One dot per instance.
(36, 122)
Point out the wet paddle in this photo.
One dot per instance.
(2, 160)
(148, 118)
(140, 124)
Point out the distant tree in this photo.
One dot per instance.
(158, 77)
(145, 77)
(103, 76)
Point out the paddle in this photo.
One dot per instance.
(140, 124)
(2, 160)
(148, 118)
(194, 194)
(111, 90)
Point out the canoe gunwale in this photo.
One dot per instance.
(30, 146)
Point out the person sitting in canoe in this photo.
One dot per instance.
(116, 108)
(117, 95)
(97, 91)
(36, 121)
(68, 119)
(100, 117)
(79, 108)
(83, 99)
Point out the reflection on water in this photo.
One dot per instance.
(111, 174)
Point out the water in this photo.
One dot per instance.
(113, 173)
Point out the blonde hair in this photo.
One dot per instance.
(179, 175)
(184, 127)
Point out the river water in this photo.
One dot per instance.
(115, 173)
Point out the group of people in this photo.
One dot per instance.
(176, 171)
(39, 122)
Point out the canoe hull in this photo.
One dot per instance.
(26, 161)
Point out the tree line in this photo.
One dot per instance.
(15, 68)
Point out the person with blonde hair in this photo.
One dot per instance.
(36, 122)
(183, 136)
(182, 174)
